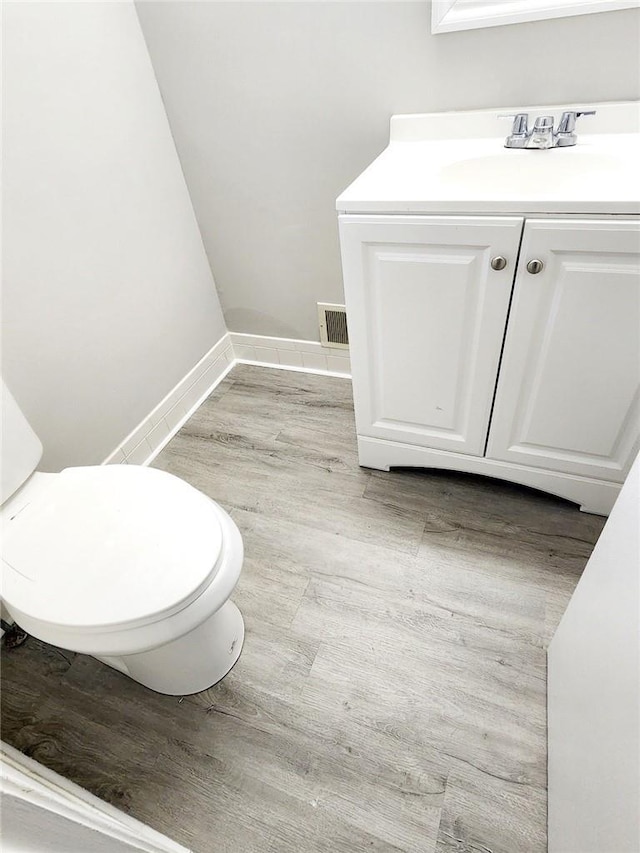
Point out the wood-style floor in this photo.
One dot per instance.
(391, 691)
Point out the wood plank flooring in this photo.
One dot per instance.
(391, 692)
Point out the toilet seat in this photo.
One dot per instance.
(129, 564)
(125, 547)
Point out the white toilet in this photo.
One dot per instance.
(128, 564)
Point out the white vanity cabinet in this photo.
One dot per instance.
(528, 372)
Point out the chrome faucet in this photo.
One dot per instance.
(543, 135)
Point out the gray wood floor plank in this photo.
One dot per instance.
(397, 795)
(261, 467)
(264, 481)
(391, 691)
(38, 718)
(277, 592)
(495, 718)
(482, 813)
(483, 515)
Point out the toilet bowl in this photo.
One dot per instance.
(129, 564)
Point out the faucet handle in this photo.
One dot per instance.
(566, 134)
(568, 121)
(520, 121)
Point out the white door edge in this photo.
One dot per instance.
(26, 783)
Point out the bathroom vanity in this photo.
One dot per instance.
(493, 301)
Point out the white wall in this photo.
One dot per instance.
(276, 107)
(594, 695)
(108, 298)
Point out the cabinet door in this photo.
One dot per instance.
(426, 317)
(568, 393)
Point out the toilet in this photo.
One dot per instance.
(125, 563)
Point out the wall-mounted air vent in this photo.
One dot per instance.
(333, 325)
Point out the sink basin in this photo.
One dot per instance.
(526, 171)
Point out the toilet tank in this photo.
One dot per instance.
(21, 447)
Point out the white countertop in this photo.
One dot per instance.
(457, 163)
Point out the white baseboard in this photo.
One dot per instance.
(144, 443)
(290, 354)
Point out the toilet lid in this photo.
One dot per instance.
(110, 546)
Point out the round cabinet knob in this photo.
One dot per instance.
(535, 266)
(498, 263)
